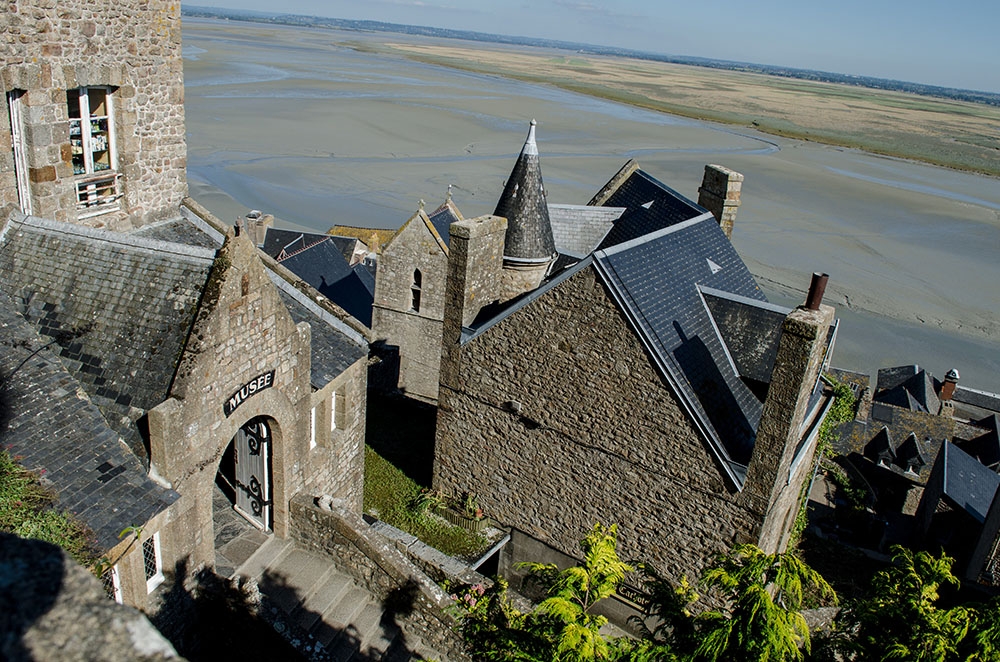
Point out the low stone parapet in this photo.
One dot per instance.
(414, 600)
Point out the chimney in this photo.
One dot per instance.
(948, 388)
(817, 288)
(947, 393)
(475, 280)
(257, 223)
(772, 487)
(720, 194)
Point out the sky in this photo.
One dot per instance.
(937, 42)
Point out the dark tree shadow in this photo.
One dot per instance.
(216, 619)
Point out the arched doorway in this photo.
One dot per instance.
(245, 469)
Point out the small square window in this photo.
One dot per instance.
(152, 563)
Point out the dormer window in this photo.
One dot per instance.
(415, 291)
(92, 143)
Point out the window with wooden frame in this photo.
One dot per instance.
(92, 143)
(15, 104)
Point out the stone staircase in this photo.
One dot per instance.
(326, 610)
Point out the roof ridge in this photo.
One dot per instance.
(656, 234)
(282, 256)
(192, 253)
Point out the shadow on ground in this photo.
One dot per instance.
(401, 430)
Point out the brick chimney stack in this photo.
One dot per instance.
(948, 388)
(720, 194)
(947, 393)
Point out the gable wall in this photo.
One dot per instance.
(416, 334)
(599, 436)
(130, 45)
(242, 330)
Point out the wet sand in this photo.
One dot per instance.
(290, 121)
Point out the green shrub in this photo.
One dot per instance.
(28, 510)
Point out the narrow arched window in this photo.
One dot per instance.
(415, 291)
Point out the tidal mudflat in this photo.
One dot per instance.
(305, 125)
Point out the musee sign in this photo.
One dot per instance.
(255, 385)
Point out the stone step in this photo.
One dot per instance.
(368, 623)
(326, 594)
(325, 603)
(295, 575)
(383, 641)
(267, 554)
(346, 646)
(342, 613)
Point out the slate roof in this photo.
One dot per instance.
(442, 218)
(750, 329)
(892, 377)
(47, 420)
(917, 393)
(335, 347)
(289, 242)
(985, 447)
(579, 229)
(177, 231)
(655, 280)
(118, 307)
(981, 399)
(322, 265)
(348, 246)
(967, 484)
(650, 205)
(522, 203)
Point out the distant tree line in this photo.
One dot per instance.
(973, 96)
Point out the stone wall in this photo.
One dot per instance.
(336, 464)
(475, 280)
(776, 474)
(343, 535)
(132, 47)
(417, 334)
(577, 427)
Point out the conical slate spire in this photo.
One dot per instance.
(529, 231)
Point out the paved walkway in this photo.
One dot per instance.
(235, 538)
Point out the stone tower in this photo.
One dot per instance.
(529, 248)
